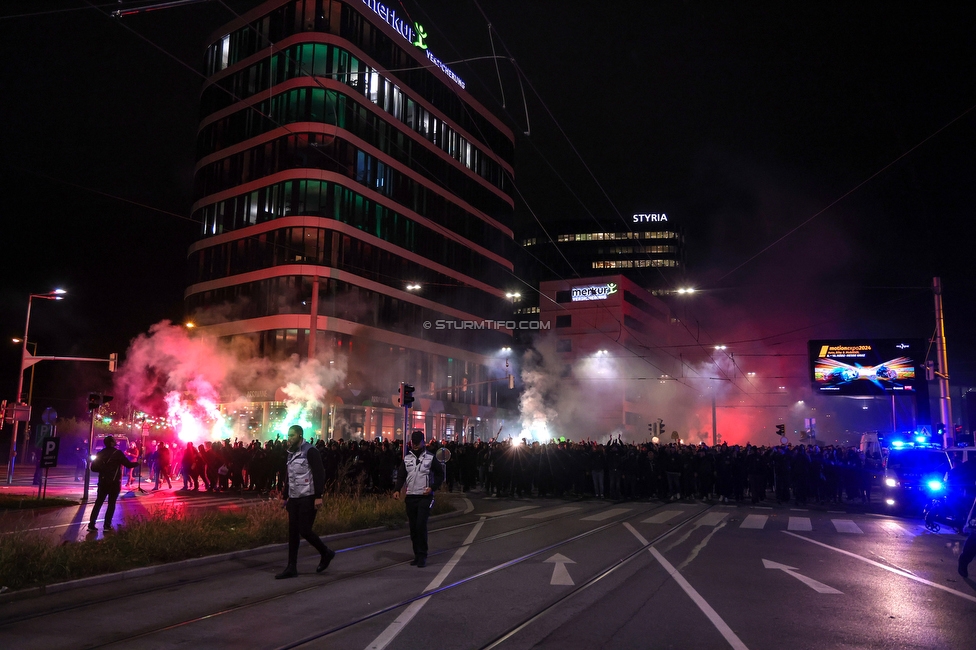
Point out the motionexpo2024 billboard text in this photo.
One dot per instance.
(867, 366)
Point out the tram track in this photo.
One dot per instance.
(505, 565)
(232, 609)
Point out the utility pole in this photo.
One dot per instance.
(945, 404)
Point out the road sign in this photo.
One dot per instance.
(17, 413)
(43, 431)
(49, 452)
(49, 416)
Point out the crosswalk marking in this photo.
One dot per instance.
(712, 519)
(510, 511)
(550, 513)
(754, 521)
(799, 523)
(613, 512)
(846, 526)
(663, 517)
(892, 526)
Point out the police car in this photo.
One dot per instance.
(914, 473)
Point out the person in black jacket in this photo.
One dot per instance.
(303, 496)
(108, 463)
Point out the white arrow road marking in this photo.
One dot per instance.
(819, 587)
(560, 576)
(885, 567)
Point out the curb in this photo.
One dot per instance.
(140, 572)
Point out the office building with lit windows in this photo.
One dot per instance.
(340, 161)
(582, 248)
(614, 339)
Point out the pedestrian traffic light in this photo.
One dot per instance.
(406, 394)
(781, 429)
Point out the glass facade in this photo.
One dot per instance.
(335, 167)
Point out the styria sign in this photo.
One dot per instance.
(412, 32)
(594, 292)
(650, 217)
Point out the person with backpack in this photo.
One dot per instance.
(303, 497)
(108, 464)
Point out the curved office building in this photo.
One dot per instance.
(339, 161)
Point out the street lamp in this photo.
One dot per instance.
(57, 294)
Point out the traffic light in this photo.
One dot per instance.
(95, 400)
(406, 394)
(650, 428)
(660, 427)
(781, 429)
(113, 361)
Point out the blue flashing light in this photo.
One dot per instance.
(935, 485)
(897, 444)
(919, 438)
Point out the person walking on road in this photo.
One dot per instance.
(422, 474)
(303, 496)
(108, 463)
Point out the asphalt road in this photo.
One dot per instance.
(546, 573)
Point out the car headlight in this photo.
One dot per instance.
(935, 486)
(890, 482)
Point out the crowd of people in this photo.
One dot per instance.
(616, 470)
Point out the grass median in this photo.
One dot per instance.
(30, 502)
(172, 534)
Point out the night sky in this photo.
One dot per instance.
(818, 155)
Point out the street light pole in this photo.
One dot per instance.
(57, 294)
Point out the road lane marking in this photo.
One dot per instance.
(886, 568)
(510, 511)
(663, 517)
(846, 526)
(560, 575)
(799, 523)
(706, 609)
(468, 506)
(550, 513)
(819, 587)
(755, 521)
(712, 519)
(613, 512)
(391, 632)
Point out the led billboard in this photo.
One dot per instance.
(867, 367)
